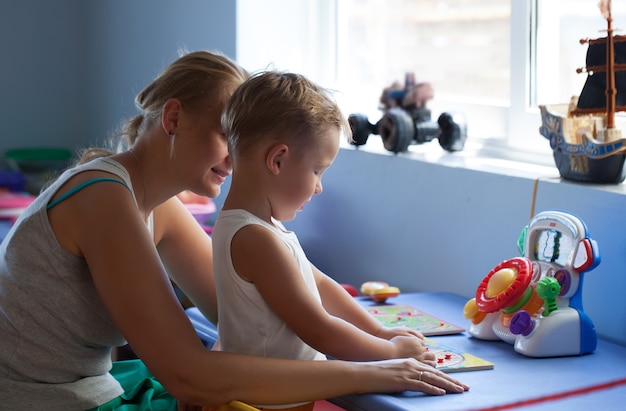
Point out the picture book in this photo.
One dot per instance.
(409, 316)
(451, 360)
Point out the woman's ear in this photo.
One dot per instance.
(275, 157)
(170, 115)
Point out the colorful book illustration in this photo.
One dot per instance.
(451, 360)
(409, 316)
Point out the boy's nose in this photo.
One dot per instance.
(319, 188)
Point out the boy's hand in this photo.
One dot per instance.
(389, 332)
(413, 347)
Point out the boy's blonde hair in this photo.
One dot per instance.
(282, 106)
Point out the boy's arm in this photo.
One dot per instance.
(341, 304)
(261, 258)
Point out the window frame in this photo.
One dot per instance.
(509, 132)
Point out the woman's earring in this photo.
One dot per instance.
(172, 135)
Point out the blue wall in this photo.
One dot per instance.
(70, 69)
(41, 80)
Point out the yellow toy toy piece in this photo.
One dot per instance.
(379, 291)
(500, 281)
(232, 406)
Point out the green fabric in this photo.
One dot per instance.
(142, 392)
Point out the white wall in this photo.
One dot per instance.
(294, 35)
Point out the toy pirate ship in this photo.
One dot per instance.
(586, 144)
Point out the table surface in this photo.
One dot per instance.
(5, 226)
(518, 382)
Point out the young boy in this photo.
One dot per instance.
(283, 132)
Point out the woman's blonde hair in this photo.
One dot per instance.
(198, 79)
(279, 105)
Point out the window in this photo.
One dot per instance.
(492, 61)
(460, 47)
(564, 23)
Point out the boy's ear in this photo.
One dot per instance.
(170, 115)
(275, 157)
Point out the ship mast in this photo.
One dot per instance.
(610, 70)
(590, 100)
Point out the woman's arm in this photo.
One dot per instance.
(267, 381)
(186, 250)
(137, 293)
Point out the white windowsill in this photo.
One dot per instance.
(491, 159)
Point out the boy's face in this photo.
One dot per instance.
(301, 176)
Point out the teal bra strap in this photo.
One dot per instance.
(81, 186)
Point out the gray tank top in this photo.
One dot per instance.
(55, 335)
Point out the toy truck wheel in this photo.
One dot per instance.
(452, 132)
(397, 130)
(361, 129)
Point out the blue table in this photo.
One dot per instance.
(584, 379)
(579, 382)
(5, 226)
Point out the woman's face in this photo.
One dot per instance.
(204, 152)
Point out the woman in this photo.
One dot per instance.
(87, 267)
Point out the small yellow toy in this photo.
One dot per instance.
(379, 291)
(232, 406)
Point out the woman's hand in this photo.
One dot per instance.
(408, 374)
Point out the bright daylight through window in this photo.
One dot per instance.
(461, 47)
(561, 24)
(492, 60)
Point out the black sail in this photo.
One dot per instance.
(593, 94)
